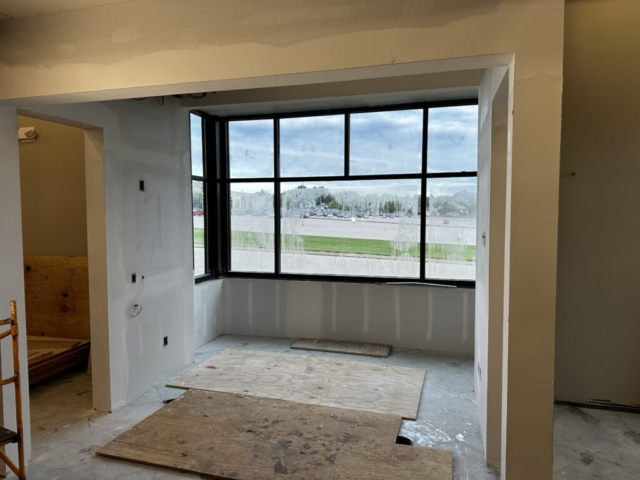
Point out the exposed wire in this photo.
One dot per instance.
(137, 306)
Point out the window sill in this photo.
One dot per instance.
(346, 279)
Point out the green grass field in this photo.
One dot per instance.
(354, 246)
(198, 236)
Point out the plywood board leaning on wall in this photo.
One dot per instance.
(57, 296)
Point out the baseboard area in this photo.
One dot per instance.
(601, 405)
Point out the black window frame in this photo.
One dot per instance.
(217, 195)
(209, 189)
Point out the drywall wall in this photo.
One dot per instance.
(148, 233)
(208, 311)
(129, 45)
(427, 318)
(146, 47)
(597, 355)
(492, 182)
(97, 261)
(11, 276)
(326, 96)
(54, 214)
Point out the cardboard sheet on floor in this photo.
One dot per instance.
(350, 348)
(373, 387)
(228, 436)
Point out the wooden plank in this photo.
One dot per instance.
(57, 296)
(350, 348)
(226, 436)
(45, 363)
(35, 343)
(37, 355)
(319, 381)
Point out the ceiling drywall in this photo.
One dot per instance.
(330, 103)
(31, 8)
(335, 95)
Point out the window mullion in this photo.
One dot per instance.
(423, 196)
(276, 190)
(347, 144)
(224, 197)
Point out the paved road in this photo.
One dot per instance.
(457, 231)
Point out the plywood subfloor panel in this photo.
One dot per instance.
(227, 436)
(305, 379)
(57, 296)
(351, 348)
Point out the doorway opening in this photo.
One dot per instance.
(64, 245)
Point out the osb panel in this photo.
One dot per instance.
(318, 381)
(350, 348)
(57, 296)
(227, 436)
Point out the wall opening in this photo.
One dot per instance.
(62, 200)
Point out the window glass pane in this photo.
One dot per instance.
(198, 228)
(386, 142)
(196, 145)
(252, 227)
(312, 146)
(368, 228)
(251, 148)
(451, 228)
(452, 144)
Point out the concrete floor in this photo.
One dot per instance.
(67, 432)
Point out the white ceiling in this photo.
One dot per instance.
(32, 8)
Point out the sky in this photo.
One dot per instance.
(380, 143)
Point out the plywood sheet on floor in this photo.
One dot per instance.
(351, 348)
(227, 436)
(318, 381)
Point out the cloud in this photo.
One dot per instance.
(381, 143)
(196, 144)
(251, 148)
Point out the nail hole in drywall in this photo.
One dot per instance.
(400, 440)
(166, 341)
(142, 185)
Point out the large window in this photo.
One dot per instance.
(379, 195)
(198, 189)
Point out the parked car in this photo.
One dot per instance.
(198, 212)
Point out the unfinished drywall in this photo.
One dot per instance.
(597, 355)
(148, 233)
(146, 47)
(426, 318)
(11, 276)
(207, 312)
(54, 214)
(492, 179)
